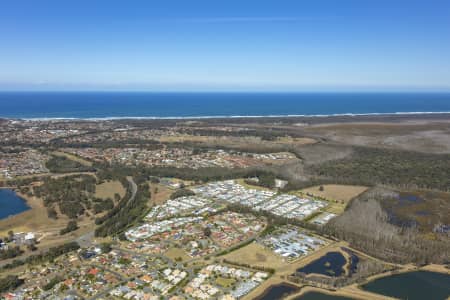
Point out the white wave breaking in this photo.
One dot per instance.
(111, 118)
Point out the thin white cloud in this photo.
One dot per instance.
(243, 20)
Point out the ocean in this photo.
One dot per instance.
(103, 105)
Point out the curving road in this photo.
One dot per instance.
(86, 239)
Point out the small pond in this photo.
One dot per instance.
(331, 264)
(11, 204)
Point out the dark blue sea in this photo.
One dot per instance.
(11, 204)
(165, 105)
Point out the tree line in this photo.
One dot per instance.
(372, 166)
(127, 214)
(50, 255)
(365, 225)
(61, 164)
(73, 194)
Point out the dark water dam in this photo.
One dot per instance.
(331, 264)
(320, 296)
(278, 291)
(412, 286)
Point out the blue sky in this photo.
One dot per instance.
(176, 45)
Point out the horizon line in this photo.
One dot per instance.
(355, 91)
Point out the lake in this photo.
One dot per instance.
(11, 204)
(413, 285)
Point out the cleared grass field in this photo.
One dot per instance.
(337, 195)
(108, 189)
(256, 255)
(160, 193)
(176, 254)
(251, 186)
(337, 192)
(225, 282)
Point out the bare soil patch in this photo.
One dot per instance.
(160, 193)
(256, 255)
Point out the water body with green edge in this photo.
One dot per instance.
(416, 285)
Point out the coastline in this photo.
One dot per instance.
(48, 105)
(215, 117)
